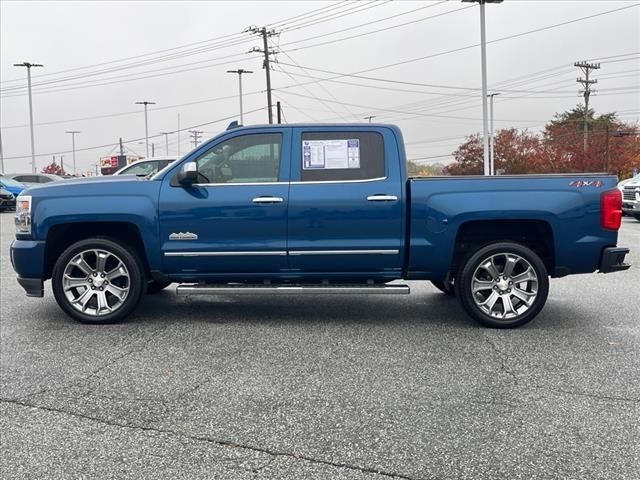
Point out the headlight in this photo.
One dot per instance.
(23, 215)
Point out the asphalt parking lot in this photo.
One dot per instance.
(402, 387)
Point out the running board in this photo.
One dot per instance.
(235, 289)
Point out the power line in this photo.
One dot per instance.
(18, 157)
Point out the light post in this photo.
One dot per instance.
(166, 142)
(240, 71)
(492, 164)
(369, 117)
(146, 126)
(73, 148)
(483, 48)
(33, 150)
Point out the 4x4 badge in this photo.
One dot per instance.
(183, 236)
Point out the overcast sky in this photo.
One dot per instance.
(419, 73)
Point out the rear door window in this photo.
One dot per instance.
(342, 156)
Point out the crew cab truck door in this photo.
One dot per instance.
(346, 202)
(233, 221)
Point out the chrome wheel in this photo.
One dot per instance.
(504, 286)
(96, 282)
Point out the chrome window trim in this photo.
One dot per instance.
(343, 252)
(224, 254)
(377, 179)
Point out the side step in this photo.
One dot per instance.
(262, 289)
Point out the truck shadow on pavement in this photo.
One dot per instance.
(418, 308)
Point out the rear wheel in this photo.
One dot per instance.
(636, 216)
(98, 281)
(503, 285)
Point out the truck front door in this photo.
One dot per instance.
(233, 221)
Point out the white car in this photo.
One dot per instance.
(146, 167)
(31, 179)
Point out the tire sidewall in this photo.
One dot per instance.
(129, 258)
(468, 267)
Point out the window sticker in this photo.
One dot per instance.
(330, 154)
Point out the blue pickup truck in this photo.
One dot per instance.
(313, 209)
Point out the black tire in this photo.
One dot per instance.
(154, 286)
(445, 287)
(636, 216)
(134, 282)
(512, 309)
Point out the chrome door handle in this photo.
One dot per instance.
(382, 198)
(268, 200)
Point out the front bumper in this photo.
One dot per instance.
(7, 203)
(33, 286)
(612, 260)
(27, 259)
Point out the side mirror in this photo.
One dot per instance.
(188, 175)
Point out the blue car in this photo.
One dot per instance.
(11, 186)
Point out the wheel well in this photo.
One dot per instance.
(62, 236)
(534, 234)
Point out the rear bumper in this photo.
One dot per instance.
(612, 260)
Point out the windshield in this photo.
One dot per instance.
(146, 168)
(10, 182)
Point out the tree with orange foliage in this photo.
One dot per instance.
(54, 168)
(613, 147)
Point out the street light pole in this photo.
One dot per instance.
(483, 48)
(369, 117)
(240, 71)
(146, 126)
(166, 142)
(73, 148)
(492, 158)
(33, 149)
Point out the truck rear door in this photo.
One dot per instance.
(346, 202)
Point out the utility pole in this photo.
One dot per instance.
(178, 133)
(33, 149)
(121, 148)
(146, 125)
(73, 148)
(62, 163)
(483, 55)
(240, 71)
(369, 117)
(492, 162)
(166, 142)
(1, 154)
(195, 136)
(279, 110)
(265, 35)
(586, 83)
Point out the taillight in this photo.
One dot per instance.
(611, 209)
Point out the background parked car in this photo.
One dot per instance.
(631, 196)
(147, 167)
(30, 179)
(7, 200)
(11, 185)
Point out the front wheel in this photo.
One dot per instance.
(98, 281)
(503, 285)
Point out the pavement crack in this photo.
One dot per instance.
(109, 363)
(503, 363)
(223, 443)
(597, 396)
